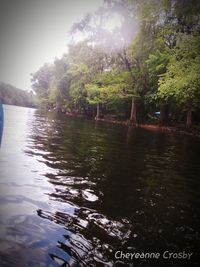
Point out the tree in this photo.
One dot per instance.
(181, 82)
(41, 80)
(114, 41)
(107, 88)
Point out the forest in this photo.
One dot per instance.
(13, 96)
(143, 69)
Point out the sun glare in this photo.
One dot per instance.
(113, 22)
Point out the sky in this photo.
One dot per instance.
(33, 32)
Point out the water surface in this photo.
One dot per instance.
(73, 192)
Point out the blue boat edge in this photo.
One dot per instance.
(1, 120)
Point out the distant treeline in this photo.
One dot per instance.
(13, 96)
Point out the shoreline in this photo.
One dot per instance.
(156, 127)
(177, 128)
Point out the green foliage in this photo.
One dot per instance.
(181, 82)
(109, 87)
(41, 80)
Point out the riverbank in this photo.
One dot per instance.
(173, 128)
(176, 128)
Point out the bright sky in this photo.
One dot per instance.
(33, 32)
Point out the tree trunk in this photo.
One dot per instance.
(189, 118)
(133, 118)
(98, 112)
(164, 113)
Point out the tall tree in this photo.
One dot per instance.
(181, 82)
(41, 80)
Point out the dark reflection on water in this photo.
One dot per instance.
(73, 192)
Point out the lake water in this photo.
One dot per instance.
(73, 192)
